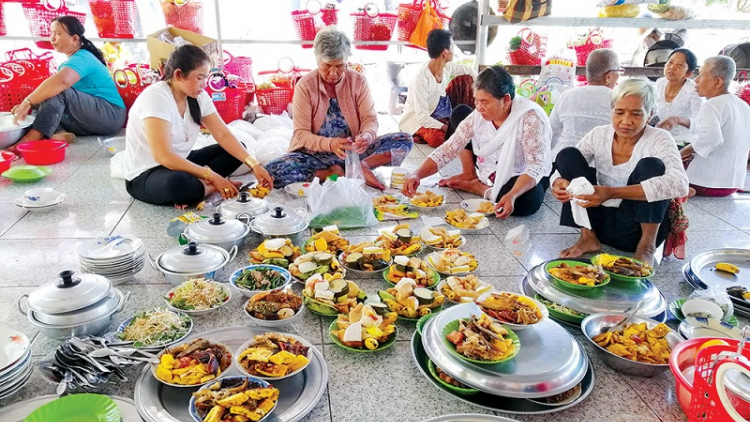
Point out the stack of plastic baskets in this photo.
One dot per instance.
(40, 15)
(241, 66)
(184, 14)
(308, 22)
(114, 18)
(229, 98)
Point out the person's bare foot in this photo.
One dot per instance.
(330, 171)
(472, 186)
(465, 177)
(691, 192)
(64, 136)
(587, 243)
(371, 179)
(645, 254)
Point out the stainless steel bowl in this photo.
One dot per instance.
(597, 323)
(13, 134)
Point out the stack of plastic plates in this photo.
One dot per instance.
(15, 361)
(117, 257)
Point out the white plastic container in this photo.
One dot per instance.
(517, 240)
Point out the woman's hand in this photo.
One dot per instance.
(687, 152)
(339, 146)
(225, 188)
(410, 186)
(264, 179)
(668, 123)
(504, 207)
(362, 142)
(600, 195)
(20, 111)
(560, 190)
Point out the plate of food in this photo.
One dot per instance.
(385, 200)
(561, 399)
(623, 268)
(519, 312)
(198, 296)
(279, 252)
(427, 200)
(362, 329)
(460, 219)
(273, 356)
(297, 189)
(452, 262)
(440, 238)
(577, 275)
(410, 302)
(366, 259)
(462, 289)
(480, 340)
(251, 398)
(327, 240)
(449, 382)
(312, 263)
(254, 279)
(478, 205)
(276, 308)
(400, 240)
(193, 363)
(331, 295)
(561, 312)
(155, 329)
(412, 268)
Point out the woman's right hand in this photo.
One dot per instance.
(339, 146)
(559, 190)
(225, 188)
(410, 186)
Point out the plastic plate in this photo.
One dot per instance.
(569, 285)
(453, 326)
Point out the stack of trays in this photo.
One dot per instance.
(701, 274)
(550, 362)
(118, 258)
(15, 362)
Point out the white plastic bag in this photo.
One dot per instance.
(268, 122)
(342, 202)
(271, 148)
(246, 127)
(354, 168)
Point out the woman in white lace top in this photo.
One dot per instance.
(510, 137)
(677, 101)
(634, 169)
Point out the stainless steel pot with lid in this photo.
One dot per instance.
(279, 223)
(219, 231)
(192, 261)
(69, 293)
(245, 203)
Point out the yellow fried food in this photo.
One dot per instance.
(585, 275)
(259, 191)
(486, 207)
(459, 218)
(427, 199)
(638, 343)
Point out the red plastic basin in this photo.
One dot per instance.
(43, 152)
(5, 158)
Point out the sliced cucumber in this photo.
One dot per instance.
(401, 263)
(339, 287)
(352, 260)
(424, 296)
(404, 235)
(379, 264)
(307, 267)
(361, 296)
(386, 296)
(380, 308)
(287, 250)
(323, 258)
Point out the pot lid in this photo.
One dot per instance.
(216, 229)
(192, 258)
(278, 222)
(244, 203)
(106, 306)
(69, 293)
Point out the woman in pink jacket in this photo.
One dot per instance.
(334, 113)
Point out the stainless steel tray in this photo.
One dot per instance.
(740, 306)
(613, 297)
(470, 417)
(497, 403)
(298, 396)
(17, 412)
(549, 357)
(703, 269)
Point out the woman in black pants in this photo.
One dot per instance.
(163, 126)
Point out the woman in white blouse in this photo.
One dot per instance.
(510, 136)
(634, 169)
(677, 101)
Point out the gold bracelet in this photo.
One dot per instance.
(29, 101)
(207, 174)
(251, 162)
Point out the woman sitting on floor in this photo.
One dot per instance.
(677, 101)
(81, 98)
(635, 170)
(434, 98)
(163, 126)
(333, 113)
(510, 136)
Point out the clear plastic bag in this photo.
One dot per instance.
(342, 202)
(354, 168)
(717, 296)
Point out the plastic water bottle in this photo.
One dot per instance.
(517, 240)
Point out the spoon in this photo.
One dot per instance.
(625, 320)
(100, 353)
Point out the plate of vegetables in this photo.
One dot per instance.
(198, 296)
(254, 279)
(480, 340)
(315, 263)
(279, 252)
(275, 308)
(413, 268)
(561, 312)
(155, 329)
(331, 295)
(364, 330)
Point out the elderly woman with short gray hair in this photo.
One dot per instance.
(333, 112)
(635, 170)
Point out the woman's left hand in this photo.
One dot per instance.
(264, 179)
(669, 123)
(504, 207)
(600, 195)
(361, 143)
(20, 112)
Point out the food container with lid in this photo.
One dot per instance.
(244, 203)
(70, 306)
(280, 223)
(193, 260)
(225, 233)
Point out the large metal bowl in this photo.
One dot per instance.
(11, 135)
(597, 323)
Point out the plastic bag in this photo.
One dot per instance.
(717, 296)
(272, 148)
(246, 127)
(428, 21)
(354, 168)
(603, 3)
(268, 122)
(342, 202)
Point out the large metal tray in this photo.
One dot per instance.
(470, 417)
(741, 307)
(613, 297)
(18, 412)
(550, 361)
(703, 269)
(498, 403)
(157, 402)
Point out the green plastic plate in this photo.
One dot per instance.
(564, 316)
(77, 408)
(620, 277)
(458, 390)
(434, 274)
(27, 174)
(453, 326)
(382, 346)
(675, 307)
(568, 285)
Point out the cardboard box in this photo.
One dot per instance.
(159, 51)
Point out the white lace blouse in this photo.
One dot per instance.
(686, 104)
(596, 148)
(576, 112)
(532, 152)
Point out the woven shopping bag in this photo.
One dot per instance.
(114, 18)
(40, 15)
(594, 40)
(428, 21)
(409, 14)
(372, 25)
(531, 50)
(184, 14)
(523, 10)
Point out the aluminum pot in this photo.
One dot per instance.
(244, 203)
(225, 233)
(62, 332)
(183, 263)
(9, 133)
(281, 224)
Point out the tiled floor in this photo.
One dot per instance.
(35, 247)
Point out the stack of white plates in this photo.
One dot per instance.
(15, 361)
(50, 201)
(117, 257)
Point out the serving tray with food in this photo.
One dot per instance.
(155, 329)
(577, 275)
(258, 278)
(480, 340)
(274, 307)
(516, 311)
(193, 363)
(198, 296)
(273, 356)
(330, 295)
(623, 268)
(466, 221)
(478, 205)
(427, 200)
(366, 258)
(458, 289)
(312, 263)
(413, 268)
(327, 240)
(232, 399)
(452, 262)
(440, 238)
(400, 240)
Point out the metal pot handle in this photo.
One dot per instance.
(248, 218)
(232, 253)
(20, 309)
(122, 304)
(152, 262)
(301, 212)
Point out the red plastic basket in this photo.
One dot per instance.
(532, 50)
(408, 16)
(3, 29)
(371, 25)
(114, 18)
(274, 100)
(17, 81)
(230, 101)
(40, 15)
(594, 41)
(707, 402)
(186, 15)
(42, 64)
(241, 66)
(308, 22)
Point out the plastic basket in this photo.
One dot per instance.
(408, 16)
(532, 50)
(594, 41)
(42, 64)
(40, 15)
(114, 18)
(371, 25)
(743, 90)
(308, 22)
(241, 66)
(187, 14)
(3, 29)
(710, 400)
(274, 100)
(229, 100)
(17, 81)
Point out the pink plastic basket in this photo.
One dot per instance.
(3, 30)
(371, 25)
(532, 50)
(185, 15)
(114, 18)
(594, 41)
(308, 22)
(408, 16)
(40, 15)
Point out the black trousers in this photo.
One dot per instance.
(162, 186)
(617, 227)
(530, 201)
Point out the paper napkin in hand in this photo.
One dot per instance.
(580, 186)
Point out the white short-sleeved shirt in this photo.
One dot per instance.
(158, 101)
(576, 112)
